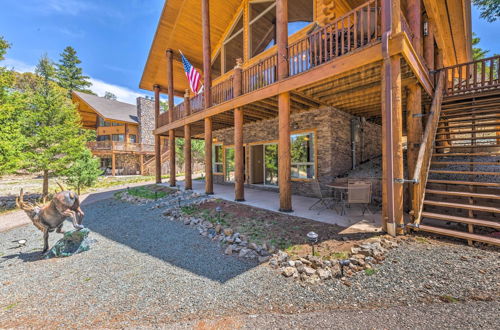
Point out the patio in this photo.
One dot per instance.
(353, 220)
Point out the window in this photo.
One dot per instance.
(218, 158)
(116, 124)
(233, 45)
(103, 138)
(118, 137)
(216, 66)
(303, 158)
(229, 168)
(132, 138)
(103, 123)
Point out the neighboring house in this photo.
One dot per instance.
(300, 91)
(124, 133)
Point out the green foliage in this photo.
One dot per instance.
(146, 192)
(490, 9)
(370, 271)
(109, 96)
(477, 52)
(46, 69)
(84, 171)
(69, 74)
(197, 151)
(4, 45)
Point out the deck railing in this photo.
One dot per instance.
(425, 152)
(473, 76)
(119, 146)
(358, 28)
(179, 111)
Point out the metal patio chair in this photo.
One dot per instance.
(324, 201)
(358, 192)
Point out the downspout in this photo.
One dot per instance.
(387, 33)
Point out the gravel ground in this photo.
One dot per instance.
(143, 270)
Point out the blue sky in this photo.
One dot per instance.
(112, 37)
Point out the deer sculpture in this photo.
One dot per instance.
(51, 216)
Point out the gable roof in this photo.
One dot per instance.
(179, 28)
(109, 109)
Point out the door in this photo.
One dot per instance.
(257, 156)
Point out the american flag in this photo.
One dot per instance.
(192, 74)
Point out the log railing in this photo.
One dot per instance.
(425, 152)
(223, 91)
(179, 111)
(473, 76)
(356, 29)
(261, 74)
(119, 146)
(197, 103)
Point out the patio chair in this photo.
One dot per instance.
(323, 201)
(358, 192)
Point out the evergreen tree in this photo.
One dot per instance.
(109, 96)
(12, 108)
(54, 137)
(490, 9)
(477, 52)
(69, 74)
(83, 172)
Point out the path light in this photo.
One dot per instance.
(179, 201)
(218, 209)
(343, 263)
(313, 239)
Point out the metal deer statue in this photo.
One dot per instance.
(51, 216)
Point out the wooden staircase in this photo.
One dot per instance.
(460, 194)
(149, 165)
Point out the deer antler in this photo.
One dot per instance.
(60, 186)
(22, 204)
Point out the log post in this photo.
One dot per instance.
(188, 178)
(282, 37)
(157, 137)
(392, 127)
(209, 183)
(113, 164)
(141, 164)
(207, 54)
(239, 165)
(171, 133)
(414, 13)
(284, 157)
(171, 156)
(429, 44)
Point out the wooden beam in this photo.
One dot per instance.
(414, 129)
(429, 44)
(171, 155)
(284, 154)
(239, 166)
(207, 52)
(188, 168)
(282, 37)
(157, 136)
(113, 164)
(170, 80)
(209, 184)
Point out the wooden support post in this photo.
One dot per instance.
(188, 177)
(171, 156)
(170, 82)
(429, 44)
(157, 137)
(113, 164)
(141, 164)
(284, 157)
(239, 166)
(282, 37)
(413, 124)
(392, 127)
(209, 183)
(207, 54)
(414, 14)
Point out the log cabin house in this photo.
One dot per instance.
(302, 90)
(124, 133)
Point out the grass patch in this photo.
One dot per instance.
(370, 271)
(87, 279)
(8, 307)
(147, 192)
(421, 240)
(340, 255)
(448, 299)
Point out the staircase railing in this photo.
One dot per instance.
(425, 152)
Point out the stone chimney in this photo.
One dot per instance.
(146, 117)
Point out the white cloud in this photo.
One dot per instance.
(99, 87)
(123, 94)
(67, 7)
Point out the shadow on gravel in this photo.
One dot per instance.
(24, 256)
(146, 230)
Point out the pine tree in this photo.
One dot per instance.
(69, 74)
(83, 172)
(54, 137)
(490, 9)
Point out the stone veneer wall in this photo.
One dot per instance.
(333, 138)
(129, 163)
(146, 117)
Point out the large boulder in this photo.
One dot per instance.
(73, 242)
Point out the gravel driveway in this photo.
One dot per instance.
(145, 270)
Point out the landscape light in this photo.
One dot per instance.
(343, 263)
(312, 237)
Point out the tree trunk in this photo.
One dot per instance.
(45, 188)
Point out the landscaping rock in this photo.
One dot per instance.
(73, 242)
(309, 271)
(289, 271)
(228, 231)
(243, 252)
(229, 250)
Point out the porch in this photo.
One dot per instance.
(353, 220)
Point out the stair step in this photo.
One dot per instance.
(465, 183)
(469, 106)
(469, 221)
(463, 172)
(463, 206)
(467, 154)
(459, 234)
(455, 113)
(493, 137)
(480, 124)
(447, 103)
(470, 118)
(470, 131)
(469, 146)
(465, 163)
(461, 194)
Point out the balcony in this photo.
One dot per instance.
(358, 29)
(120, 147)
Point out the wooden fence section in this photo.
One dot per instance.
(356, 29)
(261, 74)
(474, 76)
(119, 146)
(222, 92)
(425, 152)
